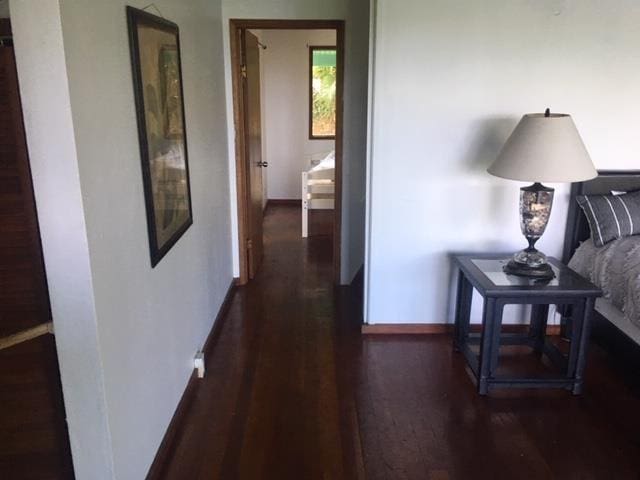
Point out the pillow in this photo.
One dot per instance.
(611, 216)
(622, 192)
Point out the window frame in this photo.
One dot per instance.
(313, 48)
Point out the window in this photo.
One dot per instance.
(322, 92)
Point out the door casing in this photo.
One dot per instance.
(236, 27)
(253, 156)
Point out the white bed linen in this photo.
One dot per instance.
(327, 163)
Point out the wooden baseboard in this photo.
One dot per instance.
(167, 446)
(439, 329)
(407, 329)
(284, 202)
(214, 334)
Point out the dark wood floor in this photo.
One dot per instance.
(293, 391)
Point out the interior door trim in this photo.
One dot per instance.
(236, 28)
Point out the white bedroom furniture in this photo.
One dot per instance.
(318, 189)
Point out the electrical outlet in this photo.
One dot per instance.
(198, 363)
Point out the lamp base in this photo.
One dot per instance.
(540, 272)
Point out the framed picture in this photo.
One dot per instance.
(157, 84)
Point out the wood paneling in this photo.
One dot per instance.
(23, 289)
(5, 27)
(33, 432)
(294, 391)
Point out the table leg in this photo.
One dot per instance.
(538, 326)
(486, 345)
(584, 345)
(566, 326)
(463, 311)
(495, 340)
(577, 316)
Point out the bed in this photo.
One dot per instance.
(318, 188)
(614, 267)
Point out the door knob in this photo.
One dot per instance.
(263, 164)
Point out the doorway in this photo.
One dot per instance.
(245, 63)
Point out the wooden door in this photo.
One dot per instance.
(33, 433)
(253, 149)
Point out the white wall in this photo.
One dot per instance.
(285, 74)
(147, 323)
(451, 81)
(355, 132)
(44, 90)
(356, 16)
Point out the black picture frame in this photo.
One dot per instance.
(154, 44)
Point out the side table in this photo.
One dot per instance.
(485, 274)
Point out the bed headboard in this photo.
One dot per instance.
(577, 226)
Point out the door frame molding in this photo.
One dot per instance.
(236, 27)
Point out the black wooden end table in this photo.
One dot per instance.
(485, 274)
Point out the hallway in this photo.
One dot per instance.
(272, 400)
(293, 391)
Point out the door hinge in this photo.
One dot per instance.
(243, 71)
(249, 244)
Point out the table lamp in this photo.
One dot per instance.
(544, 147)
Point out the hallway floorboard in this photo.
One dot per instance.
(293, 391)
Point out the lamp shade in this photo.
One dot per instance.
(544, 148)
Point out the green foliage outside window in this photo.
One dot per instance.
(323, 89)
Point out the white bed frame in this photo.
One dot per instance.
(318, 193)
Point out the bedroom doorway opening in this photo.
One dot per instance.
(288, 83)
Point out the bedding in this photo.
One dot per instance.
(318, 189)
(615, 268)
(327, 163)
(611, 216)
(623, 192)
